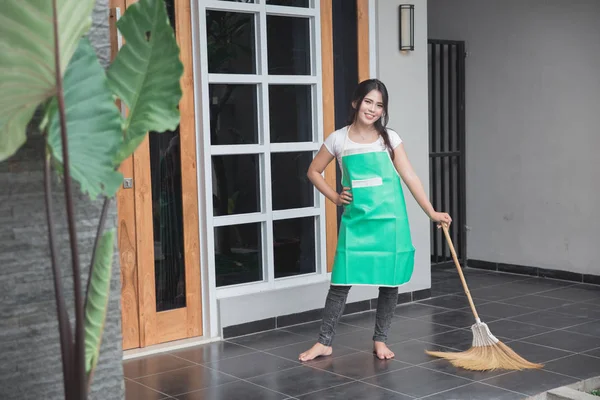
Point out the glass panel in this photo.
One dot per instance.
(291, 187)
(167, 219)
(170, 5)
(240, 1)
(233, 114)
(167, 213)
(291, 3)
(288, 45)
(290, 113)
(238, 254)
(236, 184)
(231, 42)
(294, 247)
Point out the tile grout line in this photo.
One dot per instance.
(558, 373)
(412, 366)
(331, 387)
(543, 345)
(537, 276)
(148, 387)
(559, 298)
(444, 391)
(554, 330)
(312, 338)
(352, 380)
(300, 364)
(368, 377)
(558, 359)
(197, 363)
(242, 379)
(241, 345)
(285, 328)
(563, 328)
(498, 387)
(232, 340)
(589, 355)
(462, 377)
(254, 351)
(273, 372)
(381, 387)
(531, 323)
(318, 320)
(579, 333)
(551, 330)
(423, 340)
(455, 310)
(164, 372)
(221, 372)
(449, 374)
(407, 366)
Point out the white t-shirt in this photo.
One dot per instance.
(335, 143)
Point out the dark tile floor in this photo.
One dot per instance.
(547, 321)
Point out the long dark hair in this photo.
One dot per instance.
(364, 88)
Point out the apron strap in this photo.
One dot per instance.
(345, 140)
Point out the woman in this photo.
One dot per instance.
(374, 244)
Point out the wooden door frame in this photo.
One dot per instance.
(328, 102)
(362, 32)
(130, 320)
(135, 229)
(362, 20)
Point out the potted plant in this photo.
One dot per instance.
(50, 67)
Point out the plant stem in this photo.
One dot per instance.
(64, 326)
(101, 224)
(79, 363)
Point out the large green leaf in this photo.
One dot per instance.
(95, 310)
(146, 73)
(93, 125)
(27, 72)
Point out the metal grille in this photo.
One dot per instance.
(447, 144)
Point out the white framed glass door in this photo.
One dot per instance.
(260, 69)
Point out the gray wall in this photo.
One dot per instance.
(30, 366)
(533, 102)
(405, 76)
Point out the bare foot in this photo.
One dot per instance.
(316, 351)
(382, 351)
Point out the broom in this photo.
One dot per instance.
(487, 352)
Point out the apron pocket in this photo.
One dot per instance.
(361, 183)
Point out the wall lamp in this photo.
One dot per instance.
(406, 14)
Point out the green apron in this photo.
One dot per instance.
(374, 243)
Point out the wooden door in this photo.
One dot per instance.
(158, 217)
(362, 28)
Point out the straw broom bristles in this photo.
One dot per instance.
(487, 352)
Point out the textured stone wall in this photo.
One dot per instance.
(30, 365)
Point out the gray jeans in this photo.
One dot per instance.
(334, 308)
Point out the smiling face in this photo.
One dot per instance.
(371, 108)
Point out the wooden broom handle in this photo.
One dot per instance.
(462, 278)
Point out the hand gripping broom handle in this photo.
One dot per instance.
(462, 278)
